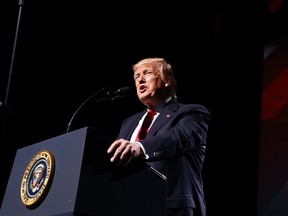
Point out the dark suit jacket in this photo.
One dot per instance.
(176, 145)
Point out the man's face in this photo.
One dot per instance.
(148, 83)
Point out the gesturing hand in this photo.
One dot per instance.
(123, 151)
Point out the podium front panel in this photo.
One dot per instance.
(85, 183)
(68, 151)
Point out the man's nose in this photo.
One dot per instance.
(141, 78)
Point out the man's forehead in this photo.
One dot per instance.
(146, 67)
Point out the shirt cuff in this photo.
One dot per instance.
(145, 156)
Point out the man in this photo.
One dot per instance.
(176, 141)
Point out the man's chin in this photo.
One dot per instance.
(144, 97)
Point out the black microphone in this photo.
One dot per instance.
(108, 95)
(120, 93)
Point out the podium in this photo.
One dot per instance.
(80, 180)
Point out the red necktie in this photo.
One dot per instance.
(145, 125)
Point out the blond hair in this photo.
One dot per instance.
(165, 70)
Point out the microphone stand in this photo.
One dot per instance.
(4, 107)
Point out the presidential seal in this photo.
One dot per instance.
(37, 178)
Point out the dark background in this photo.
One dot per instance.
(66, 51)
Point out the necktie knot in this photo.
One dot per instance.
(151, 112)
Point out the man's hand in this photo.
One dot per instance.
(124, 151)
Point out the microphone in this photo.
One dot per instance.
(120, 93)
(108, 95)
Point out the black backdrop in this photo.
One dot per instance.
(68, 50)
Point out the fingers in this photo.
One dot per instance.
(118, 148)
(123, 151)
(113, 146)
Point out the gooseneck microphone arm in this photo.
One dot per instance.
(108, 95)
(82, 105)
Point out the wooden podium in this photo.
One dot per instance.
(80, 180)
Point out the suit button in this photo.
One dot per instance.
(157, 154)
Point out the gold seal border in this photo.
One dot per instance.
(50, 161)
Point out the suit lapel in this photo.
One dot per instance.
(166, 114)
